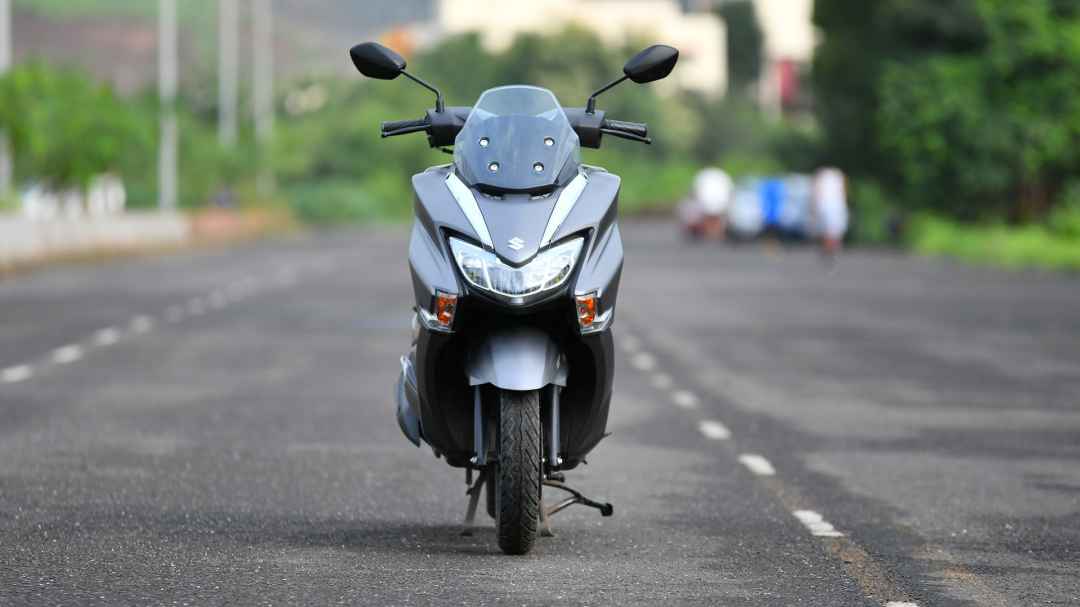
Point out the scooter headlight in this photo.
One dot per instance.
(548, 270)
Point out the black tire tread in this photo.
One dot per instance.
(518, 471)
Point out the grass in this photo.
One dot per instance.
(1032, 246)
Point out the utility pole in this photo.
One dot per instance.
(167, 86)
(6, 171)
(228, 55)
(263, 88)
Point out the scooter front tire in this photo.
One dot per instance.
(518, 474)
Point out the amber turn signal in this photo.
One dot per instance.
(445, 307)
(586, 310)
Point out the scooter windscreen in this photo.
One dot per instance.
(517, 139)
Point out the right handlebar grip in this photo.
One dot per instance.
(634, 128)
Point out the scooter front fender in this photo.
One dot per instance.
(517, 359)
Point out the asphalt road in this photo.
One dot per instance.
(217, 428)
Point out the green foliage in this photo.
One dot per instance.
(744, 42)
(65, 129)
(188, 10)
(997, 244)
(329, 160)
(963, 107)
(329, 202)
(1064, 220)
(872, 211)
(49, 113)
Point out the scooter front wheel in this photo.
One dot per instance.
(518, 472)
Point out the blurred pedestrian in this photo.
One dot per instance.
(830, 209)
(704, 213)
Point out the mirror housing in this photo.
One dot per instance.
(652, 64)
(376, 61)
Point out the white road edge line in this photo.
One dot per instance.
(16, 374)
(67, 354)
(757, 464)
(817, 524)
(106, 337)
(684, 399)
(901, 604)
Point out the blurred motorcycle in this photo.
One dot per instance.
(515, 258)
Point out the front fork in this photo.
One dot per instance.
(549, 404)
(549, 414)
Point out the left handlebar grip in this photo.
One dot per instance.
(396, 125)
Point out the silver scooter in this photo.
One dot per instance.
(515, 258)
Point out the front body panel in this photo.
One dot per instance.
(440, 360)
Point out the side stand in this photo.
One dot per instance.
(576, 497)
(474, 497)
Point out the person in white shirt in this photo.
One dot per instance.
(830, 208)
(705, 214)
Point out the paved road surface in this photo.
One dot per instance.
(217, 428)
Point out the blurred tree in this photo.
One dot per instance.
(963, 106)
(66, 129)
(744, 43)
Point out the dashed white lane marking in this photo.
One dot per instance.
(67, 354)
(661, 381)
(643, 361)
(174, 314)
(817, 524)
(13, 375)
(218, 300)
(684, 399)
(714, 430)
(106, 337)
(142, 324)
(757, 464)
(901, 604)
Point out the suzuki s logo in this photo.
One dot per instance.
(516, 243)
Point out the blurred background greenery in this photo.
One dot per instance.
(957, 122)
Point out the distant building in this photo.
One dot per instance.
(700, 37)
(790, 40)
(788, 48)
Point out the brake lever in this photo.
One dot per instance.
(625, 135)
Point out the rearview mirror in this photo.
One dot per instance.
(651, 64)
(376, 61)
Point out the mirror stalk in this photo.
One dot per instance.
(439, 104)
(590, 108)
